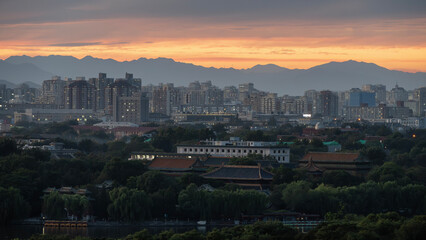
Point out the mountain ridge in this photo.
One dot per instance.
(269, 77)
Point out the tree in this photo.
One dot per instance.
(129, 204)
(7, 146)
(76, 205)
(54, 206)
(12, 205)
(387, 172)
(339, 178)
(163, 143)
(413, 229)
(283, 175)
(120, 170)
(295, 194)
(375, 154)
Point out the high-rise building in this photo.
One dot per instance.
(420, 95)
(100, 84)
(311, 101)
(270, 104)
(327, 104)
(397, 94)
(23, 93)
(378, 89)
(80, 95)
(134, 109)
(244, 91)
(358, 98)
(5, 93)
(230, 94)
(119, 88)
(53, 92)
(162, 97)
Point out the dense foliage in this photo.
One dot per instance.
(396, 182)
(389, 226)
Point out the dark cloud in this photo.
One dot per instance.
(36, 11)
(80, 44)
(75, 44)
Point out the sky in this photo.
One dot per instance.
(220, 33)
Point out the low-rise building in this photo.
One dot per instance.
(237, 148)
(254, 177)
(352, 163)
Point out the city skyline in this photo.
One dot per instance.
(221, 34)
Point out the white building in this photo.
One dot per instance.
(237, 148)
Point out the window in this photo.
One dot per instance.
(195, 150)
(217, 150)
(229, 150)
(223, 150)
(261, 151)
(239, 150)
(275, 151)
(190, 149)
(245, 150)
(185, 149)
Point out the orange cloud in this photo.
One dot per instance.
(395, 44)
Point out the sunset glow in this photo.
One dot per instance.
(224, 40)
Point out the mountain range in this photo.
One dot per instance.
(334, 76)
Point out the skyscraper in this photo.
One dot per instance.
(53, 91)
(134, 109)
(327, 104)
(80, 95)
(420, 94)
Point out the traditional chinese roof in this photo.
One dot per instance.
(239, 172)
(134, 129)
(174, 164)
(311, 167)
(319, 157)
(332, 143)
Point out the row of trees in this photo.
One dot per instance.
(369, 197)
(389, 226)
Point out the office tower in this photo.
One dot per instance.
(420, 95)
(163, 97)
(80, 95)
(100, 84)
(213, 96)
(230, 94)
(327, 104)
(270, 104)
(378, 89)
(397, 94)
(358, 98)
(5, 93)
(311, 101)
(25, 94)
(134, 109)
(53, 91)
(119, 88)
(244, 91)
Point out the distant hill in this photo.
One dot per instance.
(334, 75)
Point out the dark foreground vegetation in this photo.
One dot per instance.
(396, 183)
(387, 226)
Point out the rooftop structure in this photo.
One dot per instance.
(237, 148)
(246, 176)
(350, 162)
